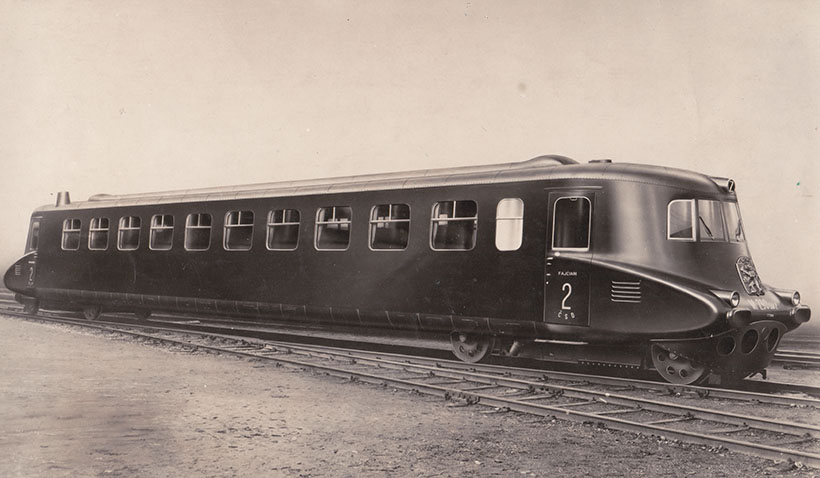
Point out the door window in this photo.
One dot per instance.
(571, 223)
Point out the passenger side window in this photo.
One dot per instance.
(238, 230)
(283, 230)
(71, 234)
(162, 232)
(98, 234)
(129, 233)
(572, 220)
(509, 224)
(198, 232)
(453, 225)
(389, 226)
(333, 228)
(680, 220)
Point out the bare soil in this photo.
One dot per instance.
(75, 403)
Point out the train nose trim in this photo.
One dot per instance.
(800, 315)
(20, 276)
(739, 318)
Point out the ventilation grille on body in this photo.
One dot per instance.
(626, 291)
(18, 269)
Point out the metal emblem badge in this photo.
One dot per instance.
(748, 276)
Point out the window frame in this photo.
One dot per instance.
(269, 228)
(692, 221)
(434, 219)
(520, 220)
(120, 230)
(161, 227)
(78, 231)
(98, 229)
(318, 223)
(226, 226)
(188, 226)
(589, 226)
(389, 220)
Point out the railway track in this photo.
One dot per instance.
(797, 358)
(791, 359)
(604, 401)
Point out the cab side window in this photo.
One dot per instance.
(33, 236)
(680, 220)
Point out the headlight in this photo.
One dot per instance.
(730, 297)
(787, 295)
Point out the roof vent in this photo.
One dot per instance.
(63, 199)
(549, 159)
(594, 161)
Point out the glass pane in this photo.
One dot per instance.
(680, 220)
(333, 236)
(509, 224)
(283, 237)
(161, 239)
(733, 222)
(510, 208)
(710, 221)
(34, 236)
(238, 238)
(98, 240)
(389, 235)
(129, 239)
(571, 223)
(198, 239)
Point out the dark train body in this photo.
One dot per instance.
(598, 257)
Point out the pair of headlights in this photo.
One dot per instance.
(733, 297)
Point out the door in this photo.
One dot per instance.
(568, 254)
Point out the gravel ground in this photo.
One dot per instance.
(76, 403)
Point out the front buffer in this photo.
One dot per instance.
(734, 354)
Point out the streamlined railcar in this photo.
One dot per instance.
(617, 264)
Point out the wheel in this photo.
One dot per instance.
(677, 369)
(92, 312)
(142, 314)
(31, 308)
(471, 348)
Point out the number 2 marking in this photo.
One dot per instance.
(568, 288)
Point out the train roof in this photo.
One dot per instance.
(549, 167)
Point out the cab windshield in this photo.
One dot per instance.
(704, 220)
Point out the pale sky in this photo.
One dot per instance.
(122, 97)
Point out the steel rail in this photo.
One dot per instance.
(603, 397)
(624, 383)
(523, 404)
(769, 395)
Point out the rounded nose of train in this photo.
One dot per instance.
(20, 276)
